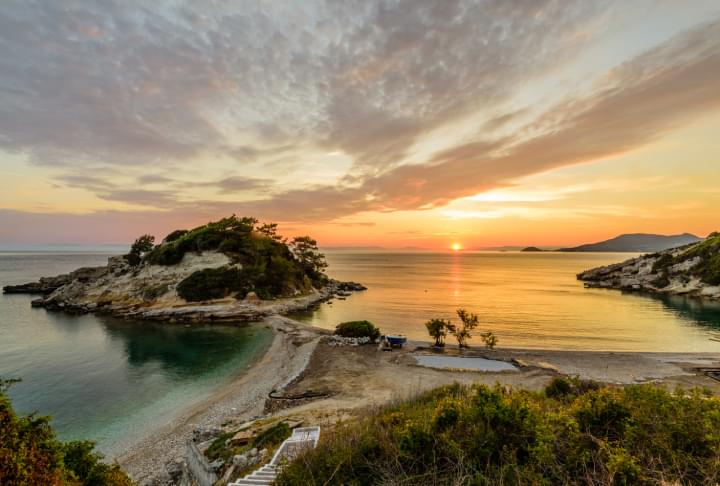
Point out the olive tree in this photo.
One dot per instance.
(438, 329)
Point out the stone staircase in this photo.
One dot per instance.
(265, 475)
(301, 439)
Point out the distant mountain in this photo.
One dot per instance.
(638, 243)
(497, 248)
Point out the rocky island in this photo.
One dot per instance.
(692, 270)
(234, 269)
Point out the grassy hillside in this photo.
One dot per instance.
(707, 254)
(573, 433)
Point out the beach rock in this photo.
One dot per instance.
(228, 474)
(47, 285)
(175, 470)
(348, 341)
(251, 298)
(240, 460)
(205, 433)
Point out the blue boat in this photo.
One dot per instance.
(396, 341)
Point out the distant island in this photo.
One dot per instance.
(692, 270)
(531, 249)
(637, 243)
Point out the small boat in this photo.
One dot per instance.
(396, 341)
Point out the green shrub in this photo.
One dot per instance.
(576, 432)
(662, 264)
(31, 454)
(357, 329)
(213, 283)
(218, 448)
(175, 235)
(272, 436)
(559, 388)
(154, 291)
(166, 254)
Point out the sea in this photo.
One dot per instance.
(111, 380)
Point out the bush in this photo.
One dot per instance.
(438, 329)
(574, 433)
(175, 235)
(272, 436)
(31, 454)
(358, 329)
(213, 283)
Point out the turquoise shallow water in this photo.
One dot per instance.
(530, 300)
(105, 379)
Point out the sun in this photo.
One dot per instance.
(456, 247)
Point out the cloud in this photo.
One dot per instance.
(638, 102)
(126, 83)
(236, 184)
(172, 97)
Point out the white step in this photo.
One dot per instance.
(250, 482)
(257, 475)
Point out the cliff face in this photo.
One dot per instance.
(692, 270)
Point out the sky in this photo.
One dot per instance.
(406, 123)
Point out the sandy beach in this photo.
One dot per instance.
(239, 400)
(353, 378)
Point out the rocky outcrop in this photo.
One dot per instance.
(47, 285)
(692, 270)
(149, 292)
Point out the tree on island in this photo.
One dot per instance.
(307, 254)
(142, 245)
(270, 230)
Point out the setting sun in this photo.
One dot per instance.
(456, 247)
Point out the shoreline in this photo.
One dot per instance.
(241, 399)
(360, 376)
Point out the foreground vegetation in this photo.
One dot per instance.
(31, 454)
(575, 432)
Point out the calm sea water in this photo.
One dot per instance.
(105, 379)
(110, 380)
(530, 300)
